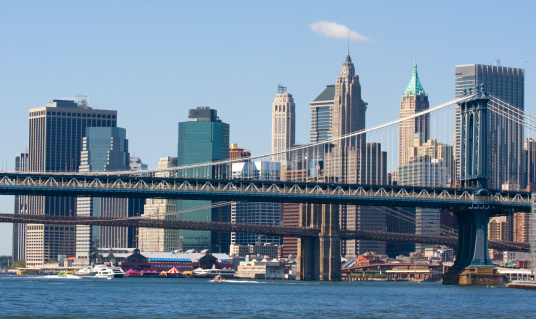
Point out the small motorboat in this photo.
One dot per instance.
(218, 278)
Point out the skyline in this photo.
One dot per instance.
(134, 57)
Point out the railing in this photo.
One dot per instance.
(373, 195)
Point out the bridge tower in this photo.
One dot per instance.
(473, 265)
(473, 142)
(319, 258)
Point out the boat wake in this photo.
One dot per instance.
(240, 281)
(56, 277)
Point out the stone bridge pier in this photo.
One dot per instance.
(473, 265)
(319, 258)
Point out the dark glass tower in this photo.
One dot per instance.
(321, 109)
(204, 138)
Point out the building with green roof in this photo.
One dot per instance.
(414, 100)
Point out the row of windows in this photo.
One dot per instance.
(49, 113)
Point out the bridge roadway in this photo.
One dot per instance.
(290, 231)
(59, 184)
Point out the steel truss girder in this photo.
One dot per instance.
(142, 186)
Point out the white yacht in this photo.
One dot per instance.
(213, 272)
(104, 271)
(88, 271)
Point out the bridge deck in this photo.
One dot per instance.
(289, 231)
(257, 191)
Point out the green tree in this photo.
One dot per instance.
(18, 264)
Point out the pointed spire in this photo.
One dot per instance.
(414, 86)
(348, 66)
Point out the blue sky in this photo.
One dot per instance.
(153, 60)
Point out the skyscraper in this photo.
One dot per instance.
(505, 136)
(352, 160)
(283, 124)
(262, 213)
(204, 138)
(21, 207)
(348, 114)
(421, 161)
(414, 100)
(529, 167)
(159, 239)
(105, 149)
(321, 109)
(55, 143)
(236, 152)
(372, 171)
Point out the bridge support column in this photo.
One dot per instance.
(319, 258)
(473, 265)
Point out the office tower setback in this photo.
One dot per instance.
(414, 100)
(21, 207)
(203, 138)
(158, 239)
(504, 136)
(105, 149)
(55, 143)
(430, 164)
(283, 124)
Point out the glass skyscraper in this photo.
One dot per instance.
(505, 136)
(204, 138)
(321, 109)
(105, 149)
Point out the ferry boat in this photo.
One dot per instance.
(104, 271)
(213, 272)
(88, 271)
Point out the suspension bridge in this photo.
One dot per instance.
(461, 181)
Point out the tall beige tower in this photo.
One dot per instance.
(354, 161)
(414, 100)
(348, 114)
(283, 124)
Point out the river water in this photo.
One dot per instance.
(52, 297)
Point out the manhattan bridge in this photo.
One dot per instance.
(345, 177)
